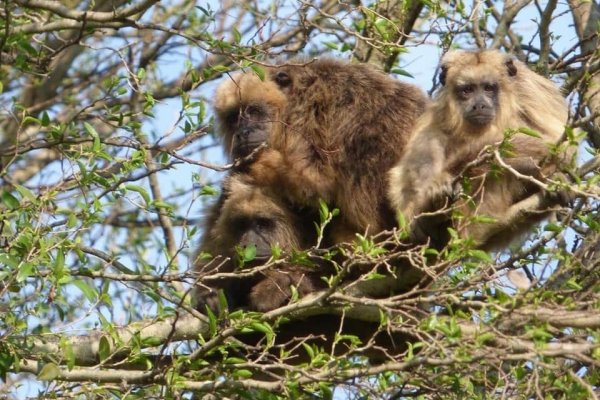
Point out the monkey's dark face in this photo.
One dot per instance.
(478, 101)
(256, 230)
(251, 217)
(250, 126)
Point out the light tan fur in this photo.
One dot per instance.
(444, 143)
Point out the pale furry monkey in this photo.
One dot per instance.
(483, 94)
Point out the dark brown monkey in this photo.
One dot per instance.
(247, 110)
(246, 215)
(484, 94)
(333, 128)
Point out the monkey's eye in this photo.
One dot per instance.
(466, 90)
(282, 78)
(491, 87)
(232, 119)
(263, 224)
(254, 112)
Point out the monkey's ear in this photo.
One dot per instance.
(511, 67)
(282, 78)
(443, 73)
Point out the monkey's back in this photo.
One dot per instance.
(355, 122)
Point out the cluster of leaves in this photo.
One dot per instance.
(107, 158)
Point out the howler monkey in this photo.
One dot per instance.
(484, 95)
(333, 130)
(247, 216)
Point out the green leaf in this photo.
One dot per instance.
(208, 190)
(25, 271)
(45, 119)
(88, 291)
(49, 372)
(258, 71)
(276, 251)
(212, 321)
(8, 260)
(529, 132)
(59, 263)
(242, 373)
(103, 348)
(402, 72)
(222, 300)
(237, 37)
(326, 392)
(141, 191)
(234, 360)
(67, 348)
(485, 337)
(6, 362)
(249, 253)
(92, 132)
(374, 276)
(263, 328)
(552, 227)
(162, 204)
(309, 350)
(11, 201)
(26, 193)
(480, 255)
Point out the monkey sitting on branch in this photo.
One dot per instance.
(486, 96)
(246, 218)
(331, 130)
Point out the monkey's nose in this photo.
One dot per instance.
(244, 133)
(479, 106)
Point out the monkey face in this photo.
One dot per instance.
(247, 112)
(260, 231)
(478, 101)
(252, 217)
(249, 126)
(246, 216)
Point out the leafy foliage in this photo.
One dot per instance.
(107, 160)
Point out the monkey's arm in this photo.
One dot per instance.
(274, 290)
(303, 183)
(420, 178)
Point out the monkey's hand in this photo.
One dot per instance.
(207, 298)
(525, 166)
(275, 290)
(440, 193)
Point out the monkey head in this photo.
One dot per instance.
(254, 216)
(248, 215)
(247, 111)
(478, 86)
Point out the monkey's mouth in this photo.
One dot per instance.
(245, 147)
(480, 118)
(257, 261)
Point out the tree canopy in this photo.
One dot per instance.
(108, 161)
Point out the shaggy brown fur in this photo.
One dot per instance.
(340, 128)
(246, 215)
(447, 139)
(332, 130)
